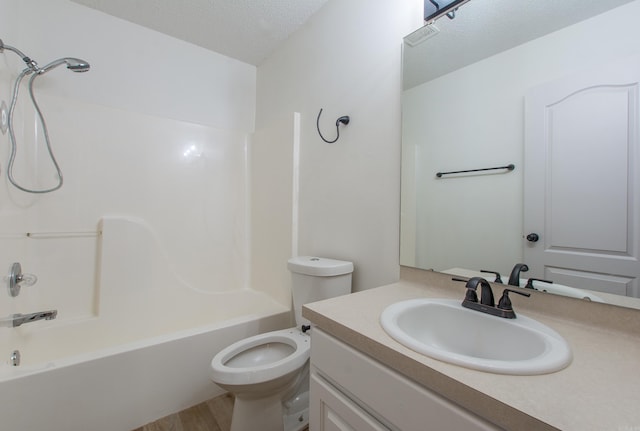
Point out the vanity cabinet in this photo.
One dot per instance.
(351, 391)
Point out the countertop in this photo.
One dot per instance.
(599, 390)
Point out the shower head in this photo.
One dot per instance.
(73, 64)
(77, 65)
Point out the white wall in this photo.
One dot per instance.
(158, 130)
(347, 60)
(473, 118)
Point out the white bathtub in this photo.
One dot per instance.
(139, 351)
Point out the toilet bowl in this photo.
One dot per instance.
(269, 373)
(265, 360)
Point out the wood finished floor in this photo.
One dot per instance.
(212, 415)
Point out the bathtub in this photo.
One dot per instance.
(139, 349)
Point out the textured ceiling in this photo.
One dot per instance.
(248, 30)
(486, 27)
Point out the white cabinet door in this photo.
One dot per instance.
(582, 179)
(330, 410)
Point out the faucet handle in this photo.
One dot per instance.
(529, 284)
(17, 279)
(505, 301)
(28, 280)
(497, 274)
(471, 294)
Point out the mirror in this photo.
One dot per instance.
(463, 108)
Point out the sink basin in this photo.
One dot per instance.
(444, 330)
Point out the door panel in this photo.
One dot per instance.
(592, 281)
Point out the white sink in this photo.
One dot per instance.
(444, 330)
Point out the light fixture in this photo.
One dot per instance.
(434, 9)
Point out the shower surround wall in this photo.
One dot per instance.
(158, 129)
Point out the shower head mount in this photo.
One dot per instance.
(32, 65)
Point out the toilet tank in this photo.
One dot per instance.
(317, 278)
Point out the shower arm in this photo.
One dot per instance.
(31, 64)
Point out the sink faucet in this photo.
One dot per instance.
(486, 294)
(16, 320)
(487, 303)
(514, 278)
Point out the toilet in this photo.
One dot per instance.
(269, 373)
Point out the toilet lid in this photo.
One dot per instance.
(261, 358)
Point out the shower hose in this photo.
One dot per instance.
(12, 137)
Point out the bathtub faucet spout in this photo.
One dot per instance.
(16, 320)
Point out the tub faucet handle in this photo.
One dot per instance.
(17, 279)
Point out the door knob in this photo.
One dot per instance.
(533, 237)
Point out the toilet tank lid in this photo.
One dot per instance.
(319, 266)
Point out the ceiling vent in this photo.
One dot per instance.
(421, 34)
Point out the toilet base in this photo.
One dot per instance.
(270, 413)
(296, 421)
(250, 414)
(267, 414)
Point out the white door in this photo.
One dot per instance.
(582, 180)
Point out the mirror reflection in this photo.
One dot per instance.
(552, 88)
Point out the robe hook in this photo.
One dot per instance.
(342, 120)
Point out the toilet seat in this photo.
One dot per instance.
(223, 372)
